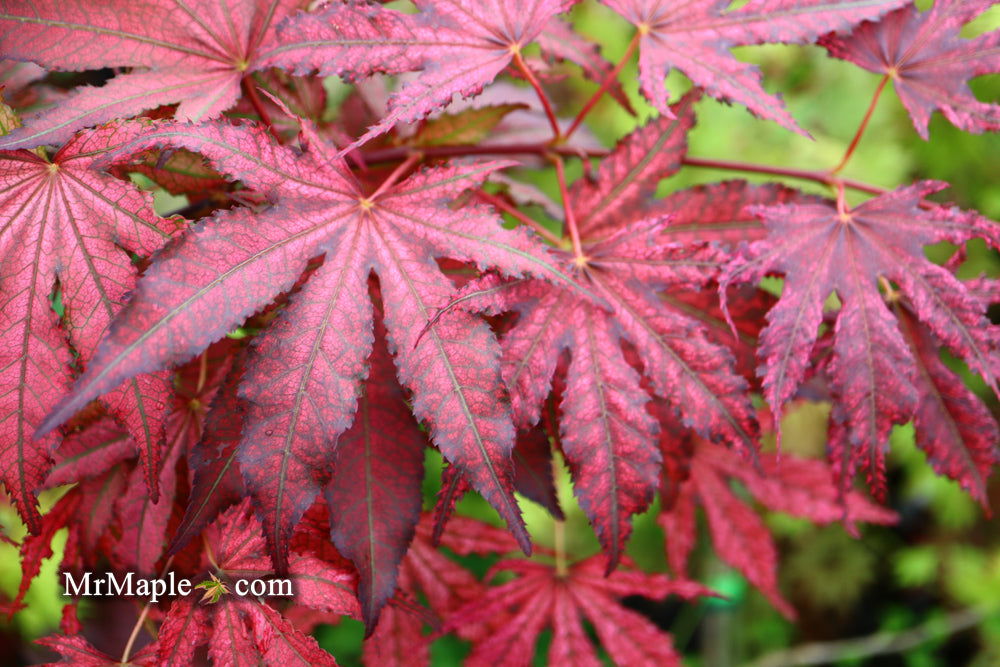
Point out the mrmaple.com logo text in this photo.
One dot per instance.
(129, 585)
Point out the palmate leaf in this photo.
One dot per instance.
(928, 62)
(248, 631)
(695, 38)
(458, 47)
(62, 223)
(606, 434)
(191, 52)
(303, 376)
(540, 597)
(444, 584)
(860, 254)
(800, 487)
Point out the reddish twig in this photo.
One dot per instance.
(400, 153)
(608, 80)
(823, 177)
(574, 232)
(499, 203)
(127, 651)
(546, 104)
(861, 128)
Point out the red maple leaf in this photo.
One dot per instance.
(543, 597)
(77, 651)
(248, 631)
(96, 459)
(799, 487)
(457, 47)
(606, 434)
(695, 38)
(145, 524)
(928, 62)
(302, 380)
(195, 52)
(953, 426)
(860, 254)
(446, 586)
(216, 482)
(65, 224)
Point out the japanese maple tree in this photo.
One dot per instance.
(398, 234)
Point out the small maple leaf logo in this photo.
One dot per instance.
(215, 588)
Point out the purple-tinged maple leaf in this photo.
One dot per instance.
(374, 493)
(62, 223)
(799, 487)
(302, 380)
(446, 586)
(606, 434)
(177, 172)
(144, 523)
(36, 548)
(90, 452)
(540, 597)
(397, 641)
(95, 460)
(695, 38)
(192, 52)
(858, 254)
(216, 481)
(243, 630)
(77, 651)
(928, 62)
(953, 426)
(458, 47)
(627, 180)
(533, 474)
(719, 212)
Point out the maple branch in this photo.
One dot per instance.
(399, 153)
(533, 80)
(861, 128)
(880, 643)
(608, 80)
(574, 232)
(823, 177)
(250, 88)
(499, 203)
